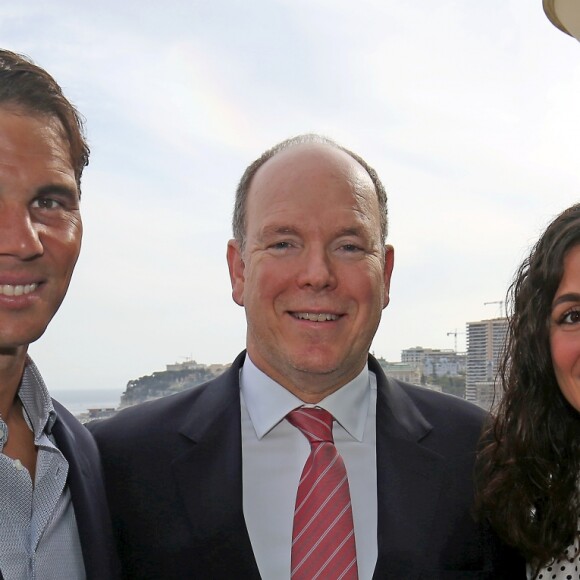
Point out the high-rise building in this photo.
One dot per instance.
(485, 345)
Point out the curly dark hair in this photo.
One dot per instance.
(26, 86)
(529, 463)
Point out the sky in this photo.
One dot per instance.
(468, 110)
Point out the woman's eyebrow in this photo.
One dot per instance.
(570, 297)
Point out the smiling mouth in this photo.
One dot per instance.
(315, 317)
(17, 289)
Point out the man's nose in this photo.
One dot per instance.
(19, 236)
(317, 270)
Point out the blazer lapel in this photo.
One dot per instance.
(409, 476)
(209, 477)
(88, 495)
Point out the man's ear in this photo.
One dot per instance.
(388, 271)
(236, 267)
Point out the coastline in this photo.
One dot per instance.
(78, 401)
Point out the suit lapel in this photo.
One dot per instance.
(409, 477)
(209, 477)
(87, 493)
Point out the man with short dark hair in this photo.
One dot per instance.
(54, 521)
(303, 460)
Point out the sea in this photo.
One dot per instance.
(78, 401)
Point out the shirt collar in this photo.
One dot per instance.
(36, 400)
(269, 402)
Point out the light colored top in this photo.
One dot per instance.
(274, 453)
(38, 531)
(561, 569)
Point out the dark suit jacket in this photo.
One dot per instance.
(85, 481)
(173, 470)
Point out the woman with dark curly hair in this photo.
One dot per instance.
(529, 464)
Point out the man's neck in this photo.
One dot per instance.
(309, 387)
(20, 443)
(12, 363)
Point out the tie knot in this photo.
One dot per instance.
(315, 424)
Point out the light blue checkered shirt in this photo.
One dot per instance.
(38, 530)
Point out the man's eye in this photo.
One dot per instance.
(350, 248)
(46, 203)
(280, 245)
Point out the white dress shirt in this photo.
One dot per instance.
(274, 453)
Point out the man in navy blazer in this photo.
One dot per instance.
(203, 484)
(54, 520)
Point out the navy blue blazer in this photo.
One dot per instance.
(85, 482)
(173, 472)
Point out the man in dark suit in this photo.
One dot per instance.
(54, 520)
(303, 460)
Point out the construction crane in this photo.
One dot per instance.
(455, 333)
(500, 302)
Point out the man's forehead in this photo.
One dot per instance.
(305, 180)
(303, 156)
(308, 161)
(43, 122)
(33, 141)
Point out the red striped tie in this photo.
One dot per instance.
(323, 536)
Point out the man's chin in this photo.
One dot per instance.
(315, 368)
(324, 371)
(15, 342)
